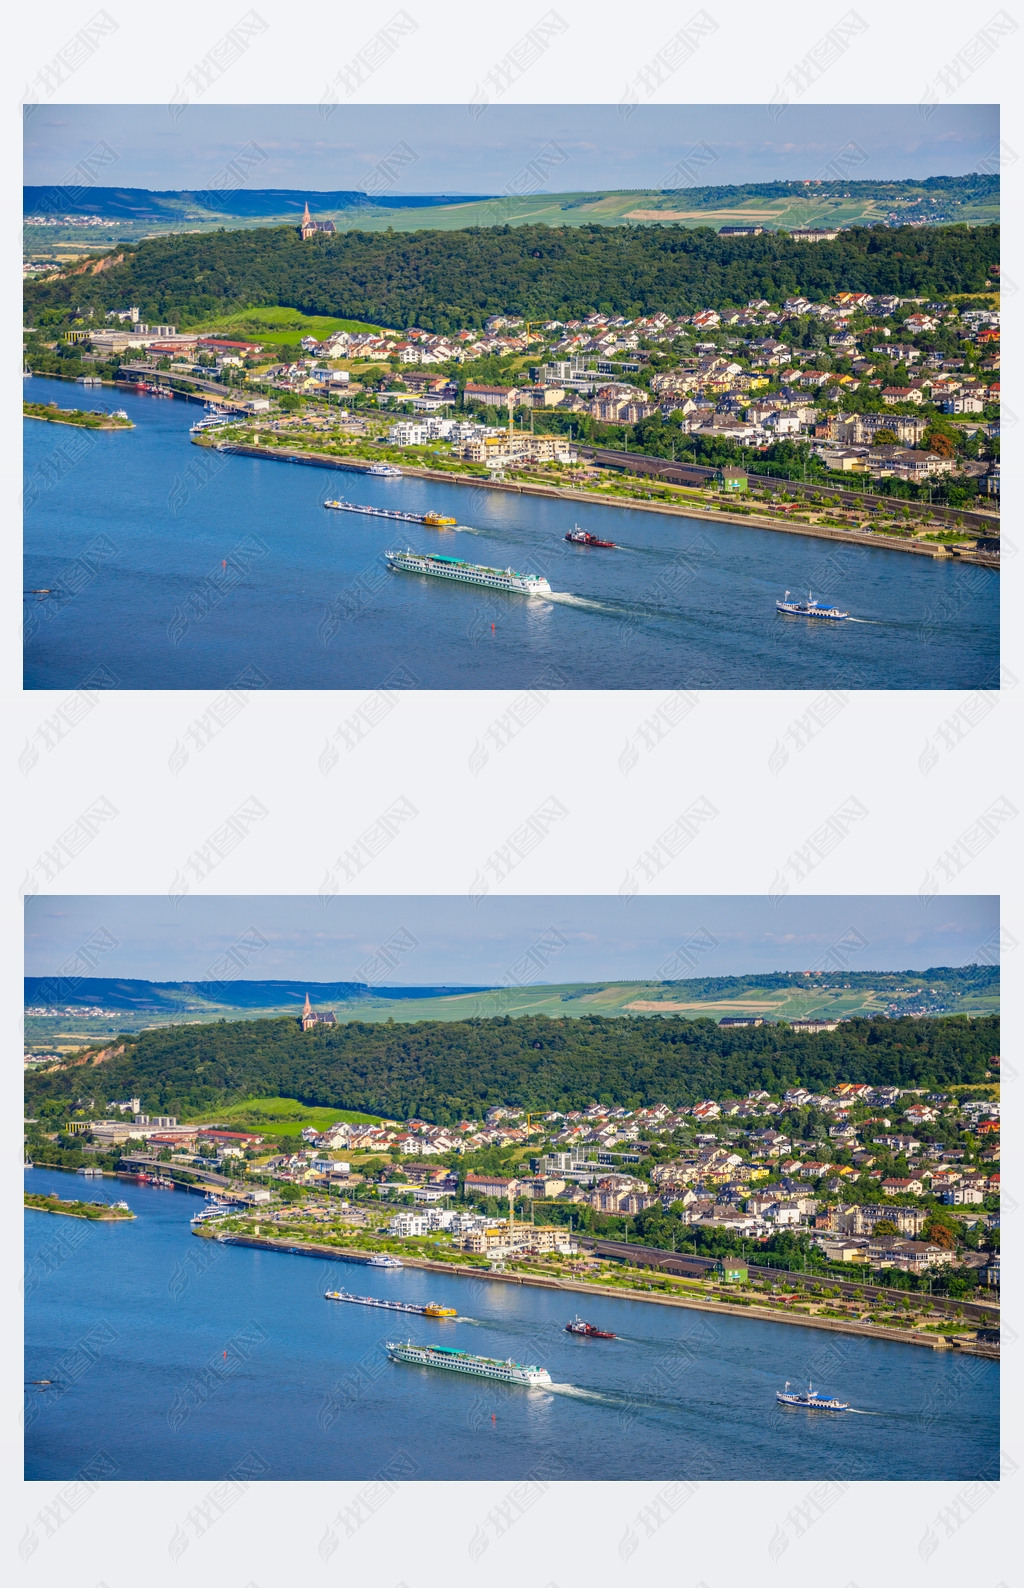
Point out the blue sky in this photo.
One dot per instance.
(462, 942)
(458, 154)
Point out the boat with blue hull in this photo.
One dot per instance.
(810, 1400)
(809, 609)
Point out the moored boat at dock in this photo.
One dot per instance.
(384, 471)
(507, 1372)
(381, 1260)
(214, 1210)
(529, 584)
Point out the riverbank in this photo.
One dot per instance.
(566, 494)
(94, 1212)
(934, 1342)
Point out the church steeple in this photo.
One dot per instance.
(307, 1011)
(305, 214)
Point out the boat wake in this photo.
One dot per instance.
(566, 598)
(575, 1392)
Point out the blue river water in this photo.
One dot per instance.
(171, 568)
(175, 1357)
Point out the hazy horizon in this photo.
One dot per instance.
(452, 151)
(451, 941)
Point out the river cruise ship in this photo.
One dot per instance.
(528, 584)
(508, 1372)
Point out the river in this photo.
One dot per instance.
(176, 1357)
(167, 567)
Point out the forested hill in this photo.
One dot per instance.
(443, 280)
(134, 994)
(182, 204)
(446, 1071)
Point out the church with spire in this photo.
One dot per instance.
(310, 228)
(310, 1017)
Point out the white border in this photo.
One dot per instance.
(421, 751)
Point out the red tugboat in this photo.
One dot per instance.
(577, 1326)
(583, 537)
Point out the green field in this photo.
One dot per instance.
(643, 207)
(282, 1116)
(280, 325)
(640, 998)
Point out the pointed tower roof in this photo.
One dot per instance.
(307, 1010)
(305, 216)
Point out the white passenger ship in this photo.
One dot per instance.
(528, 584)
(508, 1372)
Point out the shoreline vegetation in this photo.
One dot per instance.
(101, 1212)
(623, 497)
(83, 418)
(632, 1289)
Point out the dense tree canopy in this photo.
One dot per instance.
(445, 1070)
(441, 280)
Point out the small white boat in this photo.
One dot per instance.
(810, 1400)
(809, 609)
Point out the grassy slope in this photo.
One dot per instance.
(282, 1116)
(280, 325)
(617, 209)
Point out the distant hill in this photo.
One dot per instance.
(203, 995)
(771, 994)
(178, 204)
(938, 200)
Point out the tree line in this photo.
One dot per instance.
(443, 280)
(444, 1071)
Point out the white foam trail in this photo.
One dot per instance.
(575, 1392)
(565, 598)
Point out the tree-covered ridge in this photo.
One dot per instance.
(951, 978)
(977, 187)
(445, 1071)
(444, 280)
